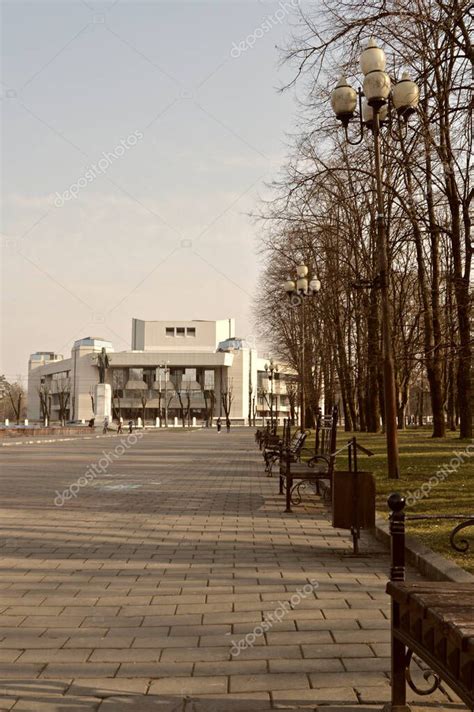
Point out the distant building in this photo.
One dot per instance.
(175, 369)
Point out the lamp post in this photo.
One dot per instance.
(372, 113)
(271, 368)
(297, 291)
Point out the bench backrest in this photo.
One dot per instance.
(326, 433)
(298, 442)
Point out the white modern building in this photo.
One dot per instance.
(180, 370)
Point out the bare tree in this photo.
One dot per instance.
(188, 394)
(209, 405)
(227, 398)
(292, 394)
(143, 402)
(63, 391)
(16, 398)
(44, 394)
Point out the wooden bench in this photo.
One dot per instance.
(266, 436)
(434, 620)
(293, 446)
(319, 467)
(260, 435)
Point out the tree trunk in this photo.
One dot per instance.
(373, 362)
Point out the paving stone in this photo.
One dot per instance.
(299, 637)
(361, 636)
(188, 686)
(31, 687)
(366, 664)
(270, 681)
(368, 693)
(336, 651)
(9, 655)
(155, 670)
(58, 670)
(168, 641)
(124, 655)
(298, 698)
(105, 687)
(270, 652)
(348, 679)
(231, 667)
(49, 655)
(306, 665)
(50, 704)
(333, 625)
(195, 654)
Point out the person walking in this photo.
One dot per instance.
(219, 425)
(120, 426)
(106, 426)
(227, 425)
(130, 426)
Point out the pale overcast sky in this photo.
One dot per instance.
(158, 230)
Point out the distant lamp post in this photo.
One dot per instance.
(298, 291)
(374, 110)
(271, 369)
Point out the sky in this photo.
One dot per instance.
(137, 138)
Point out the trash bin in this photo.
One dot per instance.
(353, 502)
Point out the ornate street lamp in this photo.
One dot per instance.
(373, 111)
(298, 290)
(270, 369)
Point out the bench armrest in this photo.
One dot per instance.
(318, 458)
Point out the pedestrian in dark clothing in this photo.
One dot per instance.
(219, 425)
(130, 426)
(119, 427)
(227, 425)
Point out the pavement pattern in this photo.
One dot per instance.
(172, 580)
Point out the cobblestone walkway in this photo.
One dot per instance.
(134, 594)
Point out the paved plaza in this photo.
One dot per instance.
(167, 577)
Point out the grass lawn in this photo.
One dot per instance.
(420, 458)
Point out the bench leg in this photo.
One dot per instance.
(270, 467)
(398, 653)
(289, 486)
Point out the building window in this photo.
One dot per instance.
(176, 376)
(170, 331)
(180, 331)
(119, 378)
(135, 374)
(191, 331)
(209, 380)
(149, 376)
